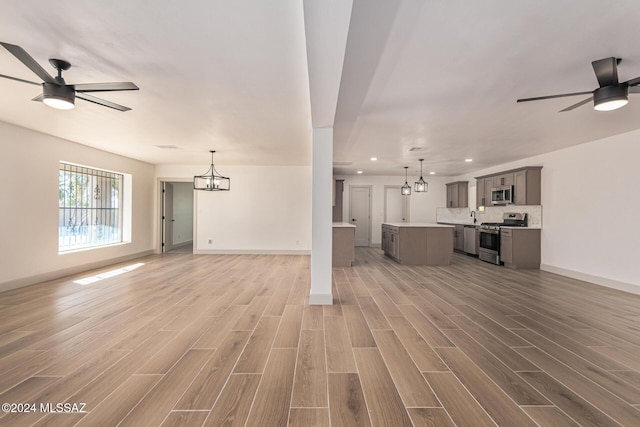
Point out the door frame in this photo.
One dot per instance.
(167, 240)
(370, 188)
(159, 225)
(407, 202)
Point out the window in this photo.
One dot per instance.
(90, 208)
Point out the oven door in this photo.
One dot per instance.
(490, 240)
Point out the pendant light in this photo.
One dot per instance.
(406, 189)
(211, 180)
(421, 186)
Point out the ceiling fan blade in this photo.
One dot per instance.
(39, 98)
(578, 104)
(105, 87)
(538, 98)
(633, 82)
(20, 80)
(102, 102)
(606, 71)
(27, 60)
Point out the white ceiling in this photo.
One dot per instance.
(232, 76)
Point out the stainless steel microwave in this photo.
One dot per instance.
(502, 195)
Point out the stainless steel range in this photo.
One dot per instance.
(489, 249)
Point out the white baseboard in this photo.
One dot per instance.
(596, 280)
(53, 275)
(321, 299)
(249, 252)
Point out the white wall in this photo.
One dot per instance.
(422, 205)
(29, 207)
(268, 209)
(591, 206)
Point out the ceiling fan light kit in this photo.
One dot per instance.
(56, 92)
(421, 186)
(211, 180)
(405, 190)
(610, 97)
(58, 97)
(611, 94)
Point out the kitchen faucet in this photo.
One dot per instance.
(473, 214)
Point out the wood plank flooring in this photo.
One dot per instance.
(230, 340)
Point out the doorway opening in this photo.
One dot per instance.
(176, 221)
(396, 205)
(360, 213)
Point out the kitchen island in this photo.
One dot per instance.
(418, 243)
(344, 235)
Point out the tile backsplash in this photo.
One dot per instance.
(490, 214)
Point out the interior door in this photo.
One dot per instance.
(167, 216)
(360, 213)
(396, 206)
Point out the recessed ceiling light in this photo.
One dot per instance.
(167, 147)
(359, 172)
(432, 173)
(373, 159)
(468, 160)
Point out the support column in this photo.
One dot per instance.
(321, 217)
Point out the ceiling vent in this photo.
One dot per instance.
(167, 147)
(416, 148)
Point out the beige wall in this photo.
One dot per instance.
(29, 207)
(268, 209)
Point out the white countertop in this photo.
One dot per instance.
(343, 225)
(522, 228)
(417, 224)
(458, 222)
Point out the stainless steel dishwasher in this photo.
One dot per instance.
(470, 239)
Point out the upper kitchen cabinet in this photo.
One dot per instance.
(526, 184)
(458, 194)
(526, 190)
(483, 191)
(502, 180)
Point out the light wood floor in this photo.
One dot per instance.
(230, 340)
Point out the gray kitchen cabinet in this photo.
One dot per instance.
(391, 240)
(483, 191)
(527, 185)
(458, 239)
(338, 190)
(480, 199)
(386, 237)
(506, 246)
(343, 245)
(520, 247)
(502, 180)
(458, 194)
(423, 244)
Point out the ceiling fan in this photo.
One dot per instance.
(610, 95)
(56, 92)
